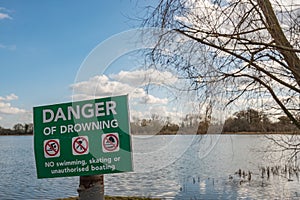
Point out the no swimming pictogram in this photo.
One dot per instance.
(51, 148)
(110, 142)
(80, 145)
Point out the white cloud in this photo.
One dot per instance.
(223, 20)
(7, 108)
(3, 13)
(149, 99)
(101, 86)
(10, 115)
(9, 97)
(125, 82)
(145, 77)
(291, 4)
(9, 47)
(4, 16)
(3, 9)
(144, 101)
(166, 112)
(160, 110)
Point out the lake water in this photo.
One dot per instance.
(171, 167)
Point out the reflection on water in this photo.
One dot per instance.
(172, 167)
(18, 174)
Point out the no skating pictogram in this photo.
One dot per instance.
(51, 148)
(80, 145)
(110, 142)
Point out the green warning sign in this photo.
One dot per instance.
(82, 138)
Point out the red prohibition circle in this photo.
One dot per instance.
(84, 149)
(48, 144)
(114, 145)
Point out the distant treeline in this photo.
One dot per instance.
(251, 120)
(245, 121)
(18, 129)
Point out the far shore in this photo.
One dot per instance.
(115, 198)
(175, 133)
(16, 134)
(263, 133)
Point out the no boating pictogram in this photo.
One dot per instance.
(110, 142)
(80, 145)
(51, 148)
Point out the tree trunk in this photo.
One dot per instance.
(91, 187)
(285, 48)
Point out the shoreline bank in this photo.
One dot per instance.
(224, 133)
(115, 198)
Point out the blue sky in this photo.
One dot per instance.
(43, 43)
